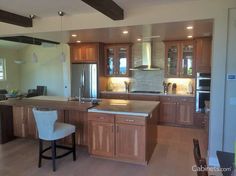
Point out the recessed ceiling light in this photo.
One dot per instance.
(74, 35)
(189, 27)
(190, 36)
(139, 39)
(78, 41)
(125, 32)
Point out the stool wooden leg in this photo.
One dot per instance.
(53, 145)
(40, 152)
(73, 146)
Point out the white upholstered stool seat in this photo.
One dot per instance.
(50, 130)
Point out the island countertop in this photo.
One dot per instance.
(56, 102)
(125, 107)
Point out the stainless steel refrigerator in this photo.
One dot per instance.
(84, 80)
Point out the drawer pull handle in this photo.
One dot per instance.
(102, 118)
(128, 120)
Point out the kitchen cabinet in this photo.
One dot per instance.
(84, 53)
(177, 111)
(203, 54)
(19, 122)
(117, 59)
(179, 59)
(130, 138)
(143, 97)
(121, 137)
(101, 134)
(79, 119)
(185, 111)
(167, 109)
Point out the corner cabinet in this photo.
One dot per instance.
(84, 53)
(179, 59)
(117, 59)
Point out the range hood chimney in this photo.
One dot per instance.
(146, 60)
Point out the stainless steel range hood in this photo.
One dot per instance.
(145, 63)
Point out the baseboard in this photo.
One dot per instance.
(213, 161)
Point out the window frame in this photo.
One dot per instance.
(3, 60)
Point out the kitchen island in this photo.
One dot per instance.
(114, 129)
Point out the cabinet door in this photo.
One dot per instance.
(187, 60)
(122, 60)
(84, 53)
(31, 124)
(130, 142)
(101, 138)
(167, 110)
(185, 111)
(172, 59)
(110, 59)
(203, 55)
(19, 122)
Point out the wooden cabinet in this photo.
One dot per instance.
(117, 59)
(121, 137)
(101, 134)
(185, 111)
(143, 97)
(84, 53)
(130, 138)
(167, 109)
(203, 54)
(79, 119)
(19, 121)
(177, 110)
(179, 59)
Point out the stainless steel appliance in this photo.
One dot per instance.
(84, 80)
(203, 85)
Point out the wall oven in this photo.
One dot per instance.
(203, 85)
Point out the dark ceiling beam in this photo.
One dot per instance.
(28, 40)
(11, 18)
(107, 7)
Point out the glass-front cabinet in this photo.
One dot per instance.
(179, 61)
(117, 58)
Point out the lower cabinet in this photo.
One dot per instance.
(177, 110)
(117, 136)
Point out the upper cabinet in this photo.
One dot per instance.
(179, 60)
(117, 59)
(84, 53)
(203, 54)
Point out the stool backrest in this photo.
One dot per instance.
(45, 120)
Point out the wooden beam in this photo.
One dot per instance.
(28, 40)
(11, 18)
(107, 7)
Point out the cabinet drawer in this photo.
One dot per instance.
(114, 96)
(167, 99)
(186, 99)
(101, 117)
(133, 120)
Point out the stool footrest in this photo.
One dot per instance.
(59, 156)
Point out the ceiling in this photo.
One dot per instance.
(152, 32)
(46, 8)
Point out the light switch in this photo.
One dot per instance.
(232, 101)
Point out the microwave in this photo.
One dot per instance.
(203, 81)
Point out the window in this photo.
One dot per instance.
(2, 69)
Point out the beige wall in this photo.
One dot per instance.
(48, 71)
(12, 69)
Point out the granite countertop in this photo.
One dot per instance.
(125, 107)
(56, 102)
(160, 94)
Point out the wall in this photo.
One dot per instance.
(47, 71)
(12, 69)
(230, 103)
(153, 79)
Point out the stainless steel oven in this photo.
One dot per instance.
(203, 85)
(203, 81)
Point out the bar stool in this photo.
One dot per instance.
(50, 130)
